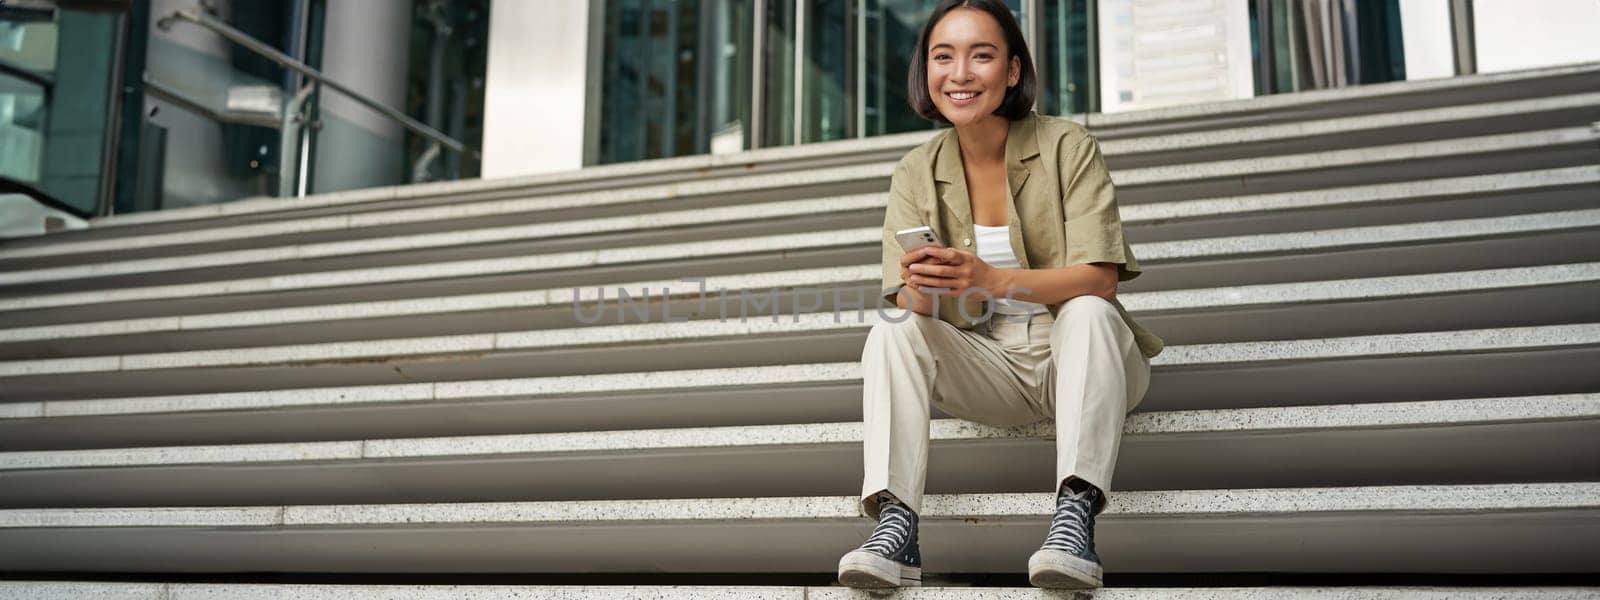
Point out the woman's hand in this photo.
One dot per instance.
(957, 270)
(920, 255)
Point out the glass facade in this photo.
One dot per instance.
(1300, 46)
(127, 109)
(27, 63)
(676, 78)
(682, 77)
(1067, 66)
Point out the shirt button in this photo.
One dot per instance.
(966, 241)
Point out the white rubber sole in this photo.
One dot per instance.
(860, 569)
(1058, 570)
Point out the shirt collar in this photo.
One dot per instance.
(1022, 143)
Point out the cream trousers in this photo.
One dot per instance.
(1082, 369)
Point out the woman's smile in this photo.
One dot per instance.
(963, 98)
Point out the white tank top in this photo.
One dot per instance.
(994, 247)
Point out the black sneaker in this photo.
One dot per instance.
(889, 557)
(1067, 559)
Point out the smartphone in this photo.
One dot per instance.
(917, 237)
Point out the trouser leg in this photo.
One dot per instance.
(900, 378)
(1098, 376)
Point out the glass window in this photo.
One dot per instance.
(1315, 46)
(778, 75)
(829, 86)
(676, 78)
(22, 123)
(27, 58)
(1066, 58)
(679, 76)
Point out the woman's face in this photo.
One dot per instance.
(968, 70)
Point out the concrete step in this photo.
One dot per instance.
(1408, 201)
(1537, 527)
(1417, 201)
(73, 590)
(1355, 131)
(54, 590)
(347, 233)
(497, 231)
(253, 405)
(1369, 99)
(1293, 247)
(1548, 295)
(1438, 442)
(1283, 108)
(1556, 293)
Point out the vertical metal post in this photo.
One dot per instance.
(1267, 55)
(1463, 38)
(595, 41)
(706, 63)
(1092, 27)
(861, 68)
(799, 71)
(758, 72)
(105, 197)
(670, 116)
(1033, 35)
(307, 129)
(290, 124)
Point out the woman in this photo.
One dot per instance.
(1027, 209)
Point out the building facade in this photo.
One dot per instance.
(121, 106)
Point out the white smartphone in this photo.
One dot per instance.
(917, 237)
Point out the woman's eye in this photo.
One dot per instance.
(941, 57)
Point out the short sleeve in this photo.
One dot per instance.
(900, 213)
(1093, 227)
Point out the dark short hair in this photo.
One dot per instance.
(1019, 98)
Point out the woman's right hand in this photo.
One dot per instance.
(911, 258)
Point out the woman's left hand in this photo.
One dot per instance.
(962, 270)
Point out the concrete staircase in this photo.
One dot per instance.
(1381, 304)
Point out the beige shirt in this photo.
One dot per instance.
(1055, 174)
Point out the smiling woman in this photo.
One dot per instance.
(1028, 205)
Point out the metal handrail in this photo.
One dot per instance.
(270, 53)
(39, 79)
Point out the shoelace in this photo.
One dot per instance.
(894, 529)
(1069, 529)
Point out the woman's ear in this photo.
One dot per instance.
(1014, 73)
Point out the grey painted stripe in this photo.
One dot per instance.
(1149, 252)
(1174, 300)
(1240, 353)
(1160, 504)
(1438, 413)
(74, 590)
